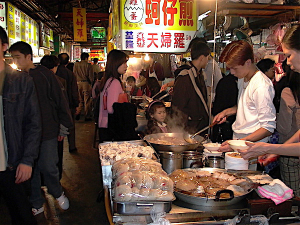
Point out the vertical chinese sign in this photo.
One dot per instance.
(79, 24)
(13, 24)
(21, 27)
(76, 52)
(2, 15)
(158, 25)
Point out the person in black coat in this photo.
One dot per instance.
(226, 97)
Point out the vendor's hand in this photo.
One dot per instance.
(266, 159)
(225, 147)
(255, 150)
(23, 173)
(164, 87)
(221, 117)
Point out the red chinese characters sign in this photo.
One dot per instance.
(158, 25)
(79, 24)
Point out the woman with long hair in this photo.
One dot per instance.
(110, 89)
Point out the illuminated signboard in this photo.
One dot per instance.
(76, 52)
(79, 24)
(2, 15)
(98, 32)
(21, 27)
(97, 53)
(157, 25)
(46, 37)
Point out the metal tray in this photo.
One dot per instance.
(141, 208)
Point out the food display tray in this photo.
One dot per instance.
(142, 207)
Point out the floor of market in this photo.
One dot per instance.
(81, 181)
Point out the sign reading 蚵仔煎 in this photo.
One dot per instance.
(157, 25)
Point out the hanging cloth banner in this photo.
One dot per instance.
(79, 24)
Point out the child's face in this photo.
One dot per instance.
(160, 114)
(131, 83)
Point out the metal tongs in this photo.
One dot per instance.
(160, 98)
(191, 138)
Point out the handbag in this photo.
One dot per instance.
(123, 98)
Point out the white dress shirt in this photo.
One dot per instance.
(255, 107)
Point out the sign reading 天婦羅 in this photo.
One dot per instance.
(79, 24)
(157, 25)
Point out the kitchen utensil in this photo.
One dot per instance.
(170, 161)
(212, 146)
(191, 138)
(211, 202)
(215, 162)
(141, 208)
(172, 148)
(164, 96)
(238, 144)
(191, 158)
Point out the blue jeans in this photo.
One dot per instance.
(46, 165)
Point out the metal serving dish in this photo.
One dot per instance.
(141, 208)
(213, 202)
(172, 148)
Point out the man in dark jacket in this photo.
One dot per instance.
(20, 137)
(190, 94)
(55, 111)
(72, 92)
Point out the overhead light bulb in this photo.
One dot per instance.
(147, 58)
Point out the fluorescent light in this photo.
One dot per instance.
(226, 42)
(211, 41)
(228, 34)
(204, 15)
(218, 37)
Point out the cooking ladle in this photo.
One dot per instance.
(190, 138)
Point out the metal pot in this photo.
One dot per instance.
(191, 159)
(215, 162)
(170, 161)
(172, 148)
(212, 202)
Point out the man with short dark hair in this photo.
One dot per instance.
(20, 129)
(190, 94)
(96, 69)
(54, 111)
(84, 74)
(72, 92)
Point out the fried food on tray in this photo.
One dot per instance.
(201, 183)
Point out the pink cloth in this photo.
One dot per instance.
(276, 191)
(113, 92)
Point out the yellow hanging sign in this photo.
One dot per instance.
(79, 24)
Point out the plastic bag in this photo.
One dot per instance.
(138, 179)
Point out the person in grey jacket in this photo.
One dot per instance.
(20, 136)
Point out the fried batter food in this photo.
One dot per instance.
(206, 184)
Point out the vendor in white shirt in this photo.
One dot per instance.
(255, 112)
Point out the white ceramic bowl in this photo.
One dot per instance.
(212, 146)
(238, 144)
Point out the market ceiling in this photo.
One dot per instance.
(57, 14)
